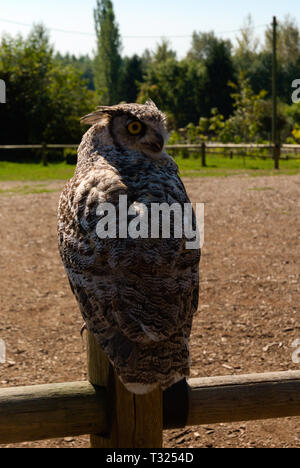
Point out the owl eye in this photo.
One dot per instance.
(135, 128)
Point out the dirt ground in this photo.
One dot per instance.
(248, 314)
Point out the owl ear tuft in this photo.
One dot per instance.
(102, 115)
(151, 103)
(97, 117)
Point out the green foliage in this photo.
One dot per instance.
(247, 47)
(47, 93)
(212, 128)
(219, 71)
(187, 89)
(108, 58)
(163, 53)
(131, 75)
(245, 123)
(44, 100)
(288, 41)
(70, 156)
(176, 86)
(258, 64)
(171, 84)
(295, 135)
(84, 64)
(292, 114)
(204, 44)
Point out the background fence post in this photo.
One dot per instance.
(277, 152)
(203, 154)
(44, 155)
(135, 421)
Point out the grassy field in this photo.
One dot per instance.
(217, 166)
(35, 172)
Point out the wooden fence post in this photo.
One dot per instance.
(277, 152)
(44, 155)
(203, 154)
(134, 421)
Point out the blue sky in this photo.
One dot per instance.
(159, 18)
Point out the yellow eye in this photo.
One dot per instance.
(135, 128)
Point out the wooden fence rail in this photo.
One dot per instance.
(73, 409)
(202, 148)
(177, 146)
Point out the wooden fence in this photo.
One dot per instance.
(116, 418)
(231, 150)
(204, 148)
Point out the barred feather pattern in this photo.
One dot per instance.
(137, 296)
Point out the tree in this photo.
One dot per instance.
(108, 58)
(259, 69)
(45, 100)
(247, 47)
(83, 63)
(288, 41)
(246, 122)
(25, 67)
(215, 55)
(219, 72)
(203, 45)
(163, 52)
(177, 88)
(132, 74)
(260, 72)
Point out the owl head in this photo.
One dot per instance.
(134, 127)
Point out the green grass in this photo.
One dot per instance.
(217, 166)
(35, 172)
(260, 189)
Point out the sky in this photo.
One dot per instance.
(142, 23)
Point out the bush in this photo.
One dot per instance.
(45, 100)
(70, 156)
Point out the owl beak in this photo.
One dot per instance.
(158, 145)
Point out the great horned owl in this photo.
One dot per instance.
(136, 295)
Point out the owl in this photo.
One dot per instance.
(137, 294)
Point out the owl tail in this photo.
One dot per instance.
(143, 367)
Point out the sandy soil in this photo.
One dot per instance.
(248, 312)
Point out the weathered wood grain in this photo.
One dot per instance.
(244, 398)
(50, 411)
(123, 420)
(134, 421)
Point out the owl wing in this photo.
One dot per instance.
(143, 289)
